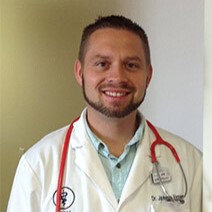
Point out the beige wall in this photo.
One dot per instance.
(38, 46)
(39, 41)
(208, 109)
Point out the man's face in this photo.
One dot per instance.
(114, 74)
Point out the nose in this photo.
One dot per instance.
(117, 74)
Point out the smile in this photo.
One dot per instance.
(115, 94)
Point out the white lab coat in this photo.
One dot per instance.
(86, 186)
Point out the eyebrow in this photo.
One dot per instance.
(135, 58)
(101, 56)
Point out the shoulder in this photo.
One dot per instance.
(48, 148)
(51, 140)
(180, 143)
(51, 144)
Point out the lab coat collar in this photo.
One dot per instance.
(142, 165)
(88, 161)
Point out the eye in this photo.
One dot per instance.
(132, 66)
(102, 65)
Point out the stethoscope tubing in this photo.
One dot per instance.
(62, 164)
(158, 141)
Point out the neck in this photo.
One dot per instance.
(114, 132)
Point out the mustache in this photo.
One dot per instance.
(121, 85)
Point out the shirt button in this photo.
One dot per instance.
(118, 165)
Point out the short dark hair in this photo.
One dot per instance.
(116, 22)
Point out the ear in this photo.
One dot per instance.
(149, 75)
(78, 71)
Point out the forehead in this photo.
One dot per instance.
(106, 34)
(110, 39)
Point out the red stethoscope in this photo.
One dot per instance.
(158, 141)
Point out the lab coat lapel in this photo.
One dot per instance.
(89, 162)
(141, 167)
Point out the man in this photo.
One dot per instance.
(108, 165)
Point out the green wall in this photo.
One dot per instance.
(39, 43)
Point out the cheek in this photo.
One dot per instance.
(141, 86)
(89, 84)
(92, 80)
(140, 82)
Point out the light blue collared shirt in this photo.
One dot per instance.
(117, 169)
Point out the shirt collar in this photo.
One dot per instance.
(98, 142)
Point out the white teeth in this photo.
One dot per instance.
(114, 94)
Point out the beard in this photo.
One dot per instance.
(117, 111)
